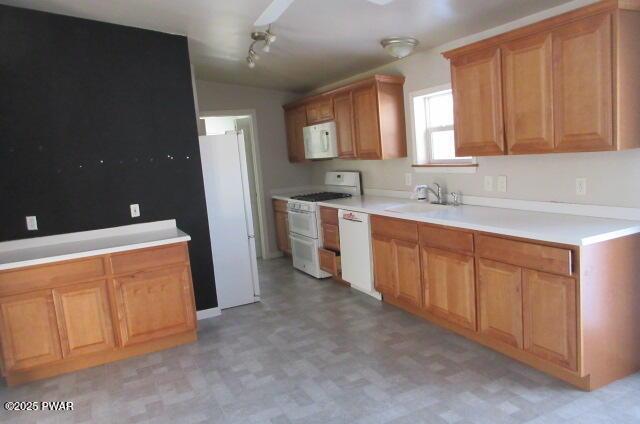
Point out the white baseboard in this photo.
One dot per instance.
(273, 255)
(208, 313)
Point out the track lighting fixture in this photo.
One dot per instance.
(267, 37)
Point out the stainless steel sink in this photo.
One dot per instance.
(419, 208)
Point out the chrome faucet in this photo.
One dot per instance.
(440, 200)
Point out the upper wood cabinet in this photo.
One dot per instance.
(365, 104)
(343, 111)
(477, 104)
(319, 110)
(528, 94)
(569, 84)
(295, 121)
(28, 330)
(369, 116)
(582, 72)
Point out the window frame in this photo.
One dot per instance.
(447, 165)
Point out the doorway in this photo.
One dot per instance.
(216, 123)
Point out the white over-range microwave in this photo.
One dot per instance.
(320, 141)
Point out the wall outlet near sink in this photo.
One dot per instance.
(581, 186)
(501, 183)
(488, 183)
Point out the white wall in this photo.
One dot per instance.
(613, 178)
(277, 172)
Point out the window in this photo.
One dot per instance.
(432, 113)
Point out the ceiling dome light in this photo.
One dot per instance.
(399, 47)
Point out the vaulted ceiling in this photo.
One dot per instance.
(319, 41)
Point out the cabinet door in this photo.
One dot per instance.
(319, 110)
(154, 304)
(449, 286)
(528, 95)
(331, 237)
(28, 330)
(296, 120)
(383, 265)
(477, 104)
(500, 301)
(407, 272)
(343, 111)
(282, 232)
(582, 75)
(365, 108)
(550, 318)
(84, 318)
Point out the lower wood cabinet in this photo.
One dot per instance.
(500, 302)
(397, 261)
(449, 286)
(84, 318)
(566, 310)
(407, 272)
(154, 304)
(550, 317)
(134, 302)
(397, 269)
(282, 226)
(28, 330)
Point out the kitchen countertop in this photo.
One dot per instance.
(48, 249)
(550, 227)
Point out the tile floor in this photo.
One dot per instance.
(317, 352)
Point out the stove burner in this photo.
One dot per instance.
(319, 197)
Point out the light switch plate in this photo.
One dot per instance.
(32, 223)
(135, 210)
(581, 186)
(488, 183)
(501, 183)
(407, 179)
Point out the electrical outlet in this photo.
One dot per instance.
(32, 223)
(501, 183)
(488, 183)
(581, 186)
(407, 179)
(135, 210)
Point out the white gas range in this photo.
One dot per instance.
(304, 219)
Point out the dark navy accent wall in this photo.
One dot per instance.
(95, 117)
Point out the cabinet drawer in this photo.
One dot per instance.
(443, 238)
(279, 205)
(38, 277)
(331, 237)
(328, 215)
(149, 258)
(529, 255)
(329, 261)
(394, 228)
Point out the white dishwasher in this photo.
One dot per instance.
(355, 250)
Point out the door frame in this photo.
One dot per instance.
(257, 170)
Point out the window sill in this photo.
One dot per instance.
(467, 168)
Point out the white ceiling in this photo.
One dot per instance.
(319, 41)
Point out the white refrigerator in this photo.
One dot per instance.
(226, 185)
